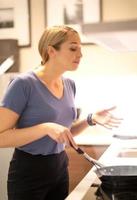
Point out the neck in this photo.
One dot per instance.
(49, 73)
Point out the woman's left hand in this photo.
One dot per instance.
(106, 118)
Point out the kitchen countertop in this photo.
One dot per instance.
(83, 188)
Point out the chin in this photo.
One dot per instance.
(75, 66)
(72, 67)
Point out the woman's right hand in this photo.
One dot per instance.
(61, 134)
(21, 136)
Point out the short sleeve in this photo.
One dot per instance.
(73, 86)
(16, 96)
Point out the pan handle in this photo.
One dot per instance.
(89, 158)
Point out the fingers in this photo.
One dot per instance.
(109, 121)
(71, 141)
(111, 117)
(115, 120)
(107, 127)
(110, 109)
(67, 139)
(112, 123)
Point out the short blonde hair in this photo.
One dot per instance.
(53, 36)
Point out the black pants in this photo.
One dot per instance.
(38, 177)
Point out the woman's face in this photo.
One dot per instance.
(69, 55)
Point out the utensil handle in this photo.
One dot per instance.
(126, 137)
(79, 150)
(90, 159)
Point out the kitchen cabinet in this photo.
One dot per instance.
(8, 48)
(78, 165)
(119, 10)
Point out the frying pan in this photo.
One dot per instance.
(112, 177)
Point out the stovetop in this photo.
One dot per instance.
(98, 192)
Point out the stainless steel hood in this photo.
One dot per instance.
(118, 36)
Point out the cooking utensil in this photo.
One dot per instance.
(113, 177)
(122, 170)
(125, 137)
(122, 177)
(89, 158)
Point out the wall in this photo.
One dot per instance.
(96, 61)
(29, 56)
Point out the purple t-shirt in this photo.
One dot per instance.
(31, 99)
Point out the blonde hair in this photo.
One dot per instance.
(53, 36)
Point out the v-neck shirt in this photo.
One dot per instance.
(44, 85)
(34, 102)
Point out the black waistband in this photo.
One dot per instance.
(21, 155)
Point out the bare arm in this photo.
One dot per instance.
(104, 118)
(79, 126)
(12, 137)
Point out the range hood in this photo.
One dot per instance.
(118, 36)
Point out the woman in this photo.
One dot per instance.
(39, 110)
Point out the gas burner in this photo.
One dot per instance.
(104, 194)
(116, 195)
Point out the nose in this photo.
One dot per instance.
(80, 54)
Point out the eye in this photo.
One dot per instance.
(73, 49)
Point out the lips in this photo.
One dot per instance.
(77, 62)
